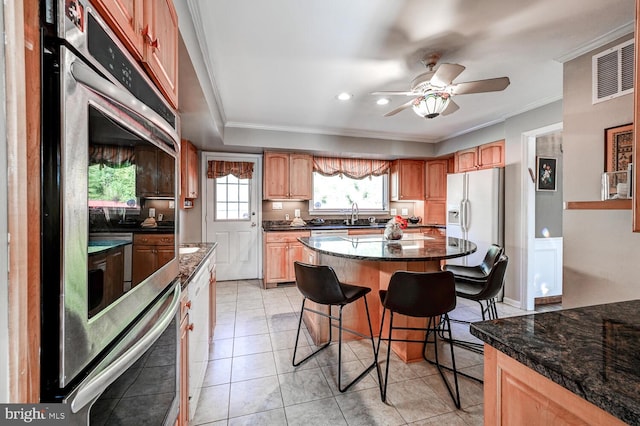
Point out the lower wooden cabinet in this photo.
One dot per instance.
(514, 394)
(150, 252)
(281, 249)
(435, 212)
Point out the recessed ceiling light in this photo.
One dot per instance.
(344, 96)
(382, 101)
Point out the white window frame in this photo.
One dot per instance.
(347, 209)
(215, 202)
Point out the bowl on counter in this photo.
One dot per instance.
(414, 220)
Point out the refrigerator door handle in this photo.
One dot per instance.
(466, 215)
(462, 221)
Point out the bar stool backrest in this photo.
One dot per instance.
(421, 294)
(495, 280)
(319, 283)
(493, 254)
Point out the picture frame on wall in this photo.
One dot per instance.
(546, 176)
(618, 148)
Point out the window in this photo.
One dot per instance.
(336, 194)
(232, 198)
(112, 186)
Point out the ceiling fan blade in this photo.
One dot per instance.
(451, 107)
(480, 86)
(400, 108)
(445, 74)
(392, 93)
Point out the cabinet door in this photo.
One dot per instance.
(146, 163)
(192, 171)
(436, 171)
(300, 176)
(144, 263)
(164, 255)
(491, 155)
(435, 212)
(408, 183)
(276, 257)
(296, 253)
(114, 280)
(466, 160)
(276, 176)
(161, 47)
(124, 17)
(165, 177)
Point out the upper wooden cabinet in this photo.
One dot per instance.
(161, 46)
(155, 173)
(436, 185)
(149, 30)
(287, 176)
(484, 156)
(407, 180)
(188, 174)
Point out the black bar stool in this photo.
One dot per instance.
(429, 295)
(477, 273)
(320, 284)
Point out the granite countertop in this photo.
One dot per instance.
(190, 263)
(412, 247)
(592, 351)
(271, 226)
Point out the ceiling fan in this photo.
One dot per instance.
(433, 90)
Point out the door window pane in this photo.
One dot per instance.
(232, 198)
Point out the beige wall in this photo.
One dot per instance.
(601, 255)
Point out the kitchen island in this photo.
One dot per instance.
(369, 261)
(574, 366)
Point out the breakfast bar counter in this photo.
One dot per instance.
(579, 365)
(369, 261)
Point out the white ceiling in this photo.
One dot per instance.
(279, 64)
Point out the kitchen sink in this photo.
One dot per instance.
(188, 250)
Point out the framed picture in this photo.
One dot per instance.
(546, 177)
(618, 148)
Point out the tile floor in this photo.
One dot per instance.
(250, 379)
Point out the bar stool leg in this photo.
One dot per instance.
(295, 348)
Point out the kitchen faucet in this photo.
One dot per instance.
(354, 213)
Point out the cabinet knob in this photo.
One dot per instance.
(188, 304)
(190, 327)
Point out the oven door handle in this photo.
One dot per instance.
(93, 387)
(86, 76)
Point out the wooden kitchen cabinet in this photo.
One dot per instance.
(161, 46)
(188, 174)
(514, 394)
(150, 252)
(466, 160)
(366, 231)
(281, 249)
(149, 31)
(485, 156)
(287, 176)
(155, 172)
(435, 213)
(436, 182)
(407, 180)
(125, 18)
(491, 155)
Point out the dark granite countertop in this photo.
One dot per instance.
(592, 351)
(190, 263)
(412, 247)
(273, 226)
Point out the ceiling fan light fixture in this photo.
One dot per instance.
(431, 104)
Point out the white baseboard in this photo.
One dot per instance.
(511, 302)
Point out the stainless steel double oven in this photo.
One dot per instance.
(102, 121)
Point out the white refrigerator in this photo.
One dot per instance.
(475, 210)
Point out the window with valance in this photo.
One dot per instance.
(111, 155)
(240, 169)
(354, 168)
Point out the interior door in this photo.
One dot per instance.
(232, 218)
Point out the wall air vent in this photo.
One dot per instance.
(612, 72)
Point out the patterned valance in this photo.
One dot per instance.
(111, 155)
(354, 168)
(239, 169)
